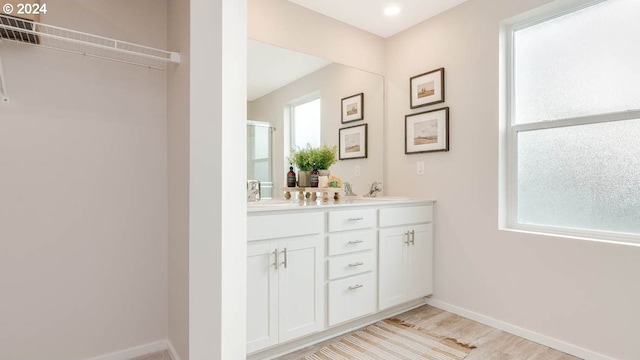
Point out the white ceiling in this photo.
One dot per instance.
(368, 14)
(269, 67)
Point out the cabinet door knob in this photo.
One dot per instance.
(353, 287)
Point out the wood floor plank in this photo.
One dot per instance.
(489, 343)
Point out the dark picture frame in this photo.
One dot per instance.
(426, 131)
(352, 142)
(352, 108)
(427, 88)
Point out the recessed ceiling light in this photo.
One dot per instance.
(392, 10)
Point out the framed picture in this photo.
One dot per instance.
(426, 131)
(353, 108)
(427, 88)
(353, 142)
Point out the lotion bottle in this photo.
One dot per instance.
(291, 177)
(314, 176)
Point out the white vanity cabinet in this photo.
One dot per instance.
(285, 298)
(405, 246)
(319, 270)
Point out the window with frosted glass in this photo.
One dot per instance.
(574, 121)
(584, 176)
(583, 63)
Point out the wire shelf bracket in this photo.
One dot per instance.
(58, 38)
(3, 84)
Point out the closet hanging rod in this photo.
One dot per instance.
(58, 38)
(145, 65)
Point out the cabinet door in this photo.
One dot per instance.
(300, 279)
(419, 264)
(262, 296)
(392, 248)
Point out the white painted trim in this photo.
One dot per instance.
(172, 351)
(136, 351)
(522, 332)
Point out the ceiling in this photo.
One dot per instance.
(270, 67)
(368, 14)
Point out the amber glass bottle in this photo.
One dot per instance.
(291, 177)
(314, 176)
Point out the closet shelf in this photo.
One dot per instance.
(57, 38)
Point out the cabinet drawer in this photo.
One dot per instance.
(352, 219)
(351, 242)
(351, 264)
(406, 215)
(352, 297)
(261, 227)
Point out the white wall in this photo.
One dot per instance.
(83, 209)
(178, 177)
(217, 187)
(332, 83)
(284, 24)
(576, 292)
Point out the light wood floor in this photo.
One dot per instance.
(490, 343)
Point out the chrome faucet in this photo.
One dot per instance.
(347, 190)
(375, 188)
(253, 190)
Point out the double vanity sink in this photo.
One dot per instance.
(317, 269)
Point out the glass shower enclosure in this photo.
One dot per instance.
(260, 155)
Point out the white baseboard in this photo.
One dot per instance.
(140, 350)
(172, 350)
(516, 330)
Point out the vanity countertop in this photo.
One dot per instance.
(345, 201)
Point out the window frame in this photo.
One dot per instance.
(511, 129)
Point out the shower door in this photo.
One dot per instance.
(259, 155)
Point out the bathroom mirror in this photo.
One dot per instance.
(301, 78)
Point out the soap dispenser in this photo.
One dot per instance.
(314, 176)
(291, 177)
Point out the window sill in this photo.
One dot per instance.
(576, 234)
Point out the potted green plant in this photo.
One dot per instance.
(324, 157)
(301, 158)
(304, 159)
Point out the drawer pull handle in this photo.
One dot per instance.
(353, 242)
(355, 219)
(355, 287)
(356, 264)
(285, 258)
